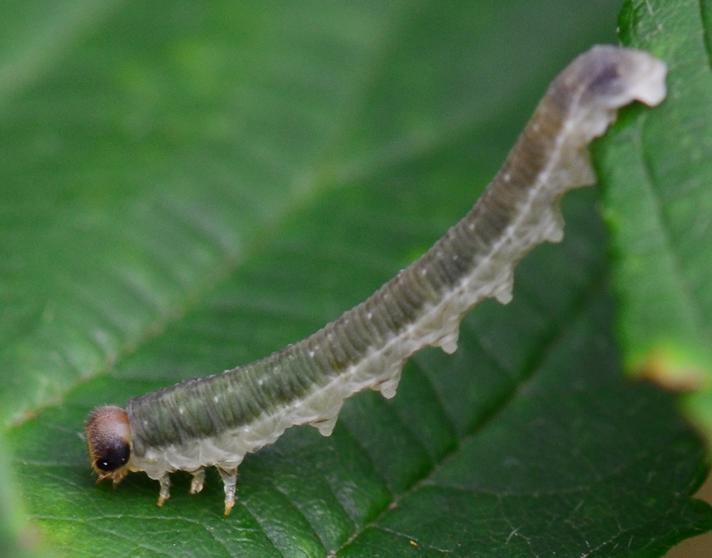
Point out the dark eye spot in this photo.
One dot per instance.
(113, 457)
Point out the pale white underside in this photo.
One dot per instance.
(538, 220)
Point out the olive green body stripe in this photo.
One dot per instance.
(424, 303)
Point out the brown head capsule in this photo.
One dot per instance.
(109, 442)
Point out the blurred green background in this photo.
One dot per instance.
(186, 186)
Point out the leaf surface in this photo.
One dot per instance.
(187, 189)
(658, 182)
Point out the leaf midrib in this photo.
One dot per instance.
(303, 190)
(315, 183)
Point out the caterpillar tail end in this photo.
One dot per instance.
(650, 88)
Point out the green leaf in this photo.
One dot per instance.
(185, 189)
(657, 176)
(10, 519)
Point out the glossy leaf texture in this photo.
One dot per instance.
(18, 538)
(658, 181)
(187, 188)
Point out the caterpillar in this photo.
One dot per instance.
(217, 420)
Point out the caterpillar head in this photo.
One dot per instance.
(109, 443)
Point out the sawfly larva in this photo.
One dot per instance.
(216, 421)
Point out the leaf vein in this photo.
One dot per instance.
(549, 341)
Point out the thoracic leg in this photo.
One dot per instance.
(165, 492)
(229, 478)
(196, 484)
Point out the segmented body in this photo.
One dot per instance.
(219, 419)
